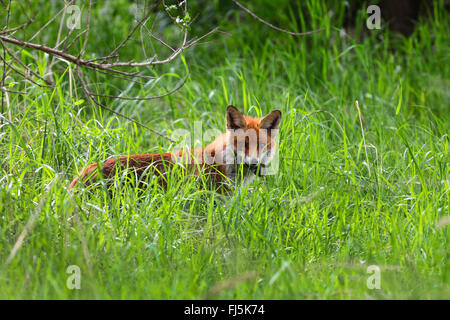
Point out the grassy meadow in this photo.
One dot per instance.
(352, 189)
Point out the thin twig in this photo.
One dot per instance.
(87, 31)
(130, 34)
(70, 44)
(105, 66)
(132, 71)
(143, 98)
(297, 34)
(48, 22)
(25, 66)
(90, 96)
(18, 72)
(13, 91)
(2, 84)
(14, 30)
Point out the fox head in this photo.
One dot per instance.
(252, 140)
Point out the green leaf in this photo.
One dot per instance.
(399, 105)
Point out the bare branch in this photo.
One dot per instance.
(104, 66)
(23, 75)
(14, 30)
(109, 65)
(297, 34)
(25, 66)
(2, 84)
(48, 22)
(158, 39)
(87, 31)
(130, 34)
(70, 44)
(13, 91)
(144, 98)
(90, 95)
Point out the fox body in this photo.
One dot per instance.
(244, 150)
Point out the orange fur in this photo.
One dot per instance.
(217, 161)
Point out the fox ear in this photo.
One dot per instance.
(235, 119)
(271, 121)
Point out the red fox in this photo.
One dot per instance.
(244, 150)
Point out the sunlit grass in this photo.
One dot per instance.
(308, 232)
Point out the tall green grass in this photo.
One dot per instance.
(308, 232)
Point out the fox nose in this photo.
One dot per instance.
(254, 167)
